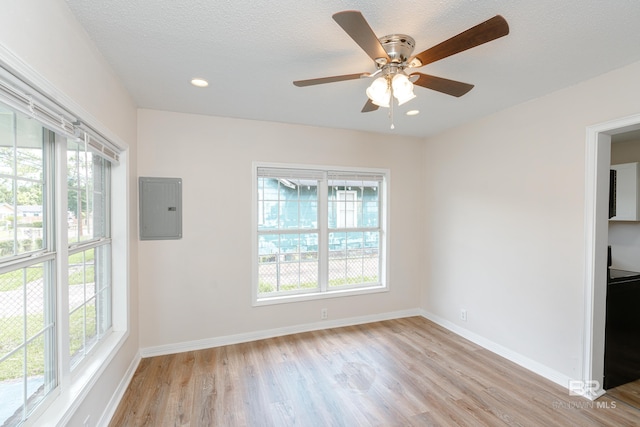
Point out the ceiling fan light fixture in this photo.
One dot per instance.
(402, 88)
(379, 92)
(405, 99)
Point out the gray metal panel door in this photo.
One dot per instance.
(160, 208)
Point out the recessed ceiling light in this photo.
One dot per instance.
(199, 82)
(412, 112)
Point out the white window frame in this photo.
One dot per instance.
(97, 244)
(47, 257)
(20, 83)
(323, 234)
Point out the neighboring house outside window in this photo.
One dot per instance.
(319, 232)
(347, 213)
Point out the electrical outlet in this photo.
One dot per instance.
(463, 314)
(323, 314)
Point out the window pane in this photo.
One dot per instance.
(7, 137)
(22, 186)
(27, 347)
(287, 203)
(29, 220)
(12, 380)
(89, 299)
(36, 366)
(354, 259)
(28, 153)
(287, 214)
(99, 197)
(7, 217)
(353, 204)
(308, 203)
(103, 288)
(86, 194)
(267, 203)
(81, 303)
(288, 262)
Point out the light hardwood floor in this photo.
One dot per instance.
(403, 372)
(628, 393)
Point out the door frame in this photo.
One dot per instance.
(598, 163)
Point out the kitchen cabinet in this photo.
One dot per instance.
(622, 333)
(622, 330)
(627, 192)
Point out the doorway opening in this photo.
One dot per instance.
(598, 163)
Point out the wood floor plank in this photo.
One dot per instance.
(627, 393)
(402, 372)
(180, 398)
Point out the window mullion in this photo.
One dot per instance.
(25, 337)
(14, 183)
(62, 269)
(49, 216)
(323, 236)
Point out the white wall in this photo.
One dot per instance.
(505, 220)
(199, 287)
(624, 237)
(44, 36)
(500, 203)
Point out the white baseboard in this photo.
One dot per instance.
(112, 406)
(508, 354)
(270, 333)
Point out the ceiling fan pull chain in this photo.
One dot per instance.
(391, 109)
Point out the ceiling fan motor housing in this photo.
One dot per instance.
(399, 47)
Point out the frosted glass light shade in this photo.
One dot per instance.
(402, 88)
(379, 92)
(405, 99)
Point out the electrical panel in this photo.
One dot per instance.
(160, 208)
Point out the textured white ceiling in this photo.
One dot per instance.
(252, 51)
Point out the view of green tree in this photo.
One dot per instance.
(29, 194)
(29, 165)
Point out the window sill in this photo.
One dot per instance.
(285, 299)
(64, 405)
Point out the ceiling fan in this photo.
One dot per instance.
(392, 57)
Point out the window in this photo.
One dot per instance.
(318, 232)
(27, 262)
(55, 251)
(89, 278)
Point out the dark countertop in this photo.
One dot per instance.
(618, 276)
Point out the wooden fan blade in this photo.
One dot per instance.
(487, 31)
(369, 106)
(450, 87)
(323, 80)
(354, 24)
